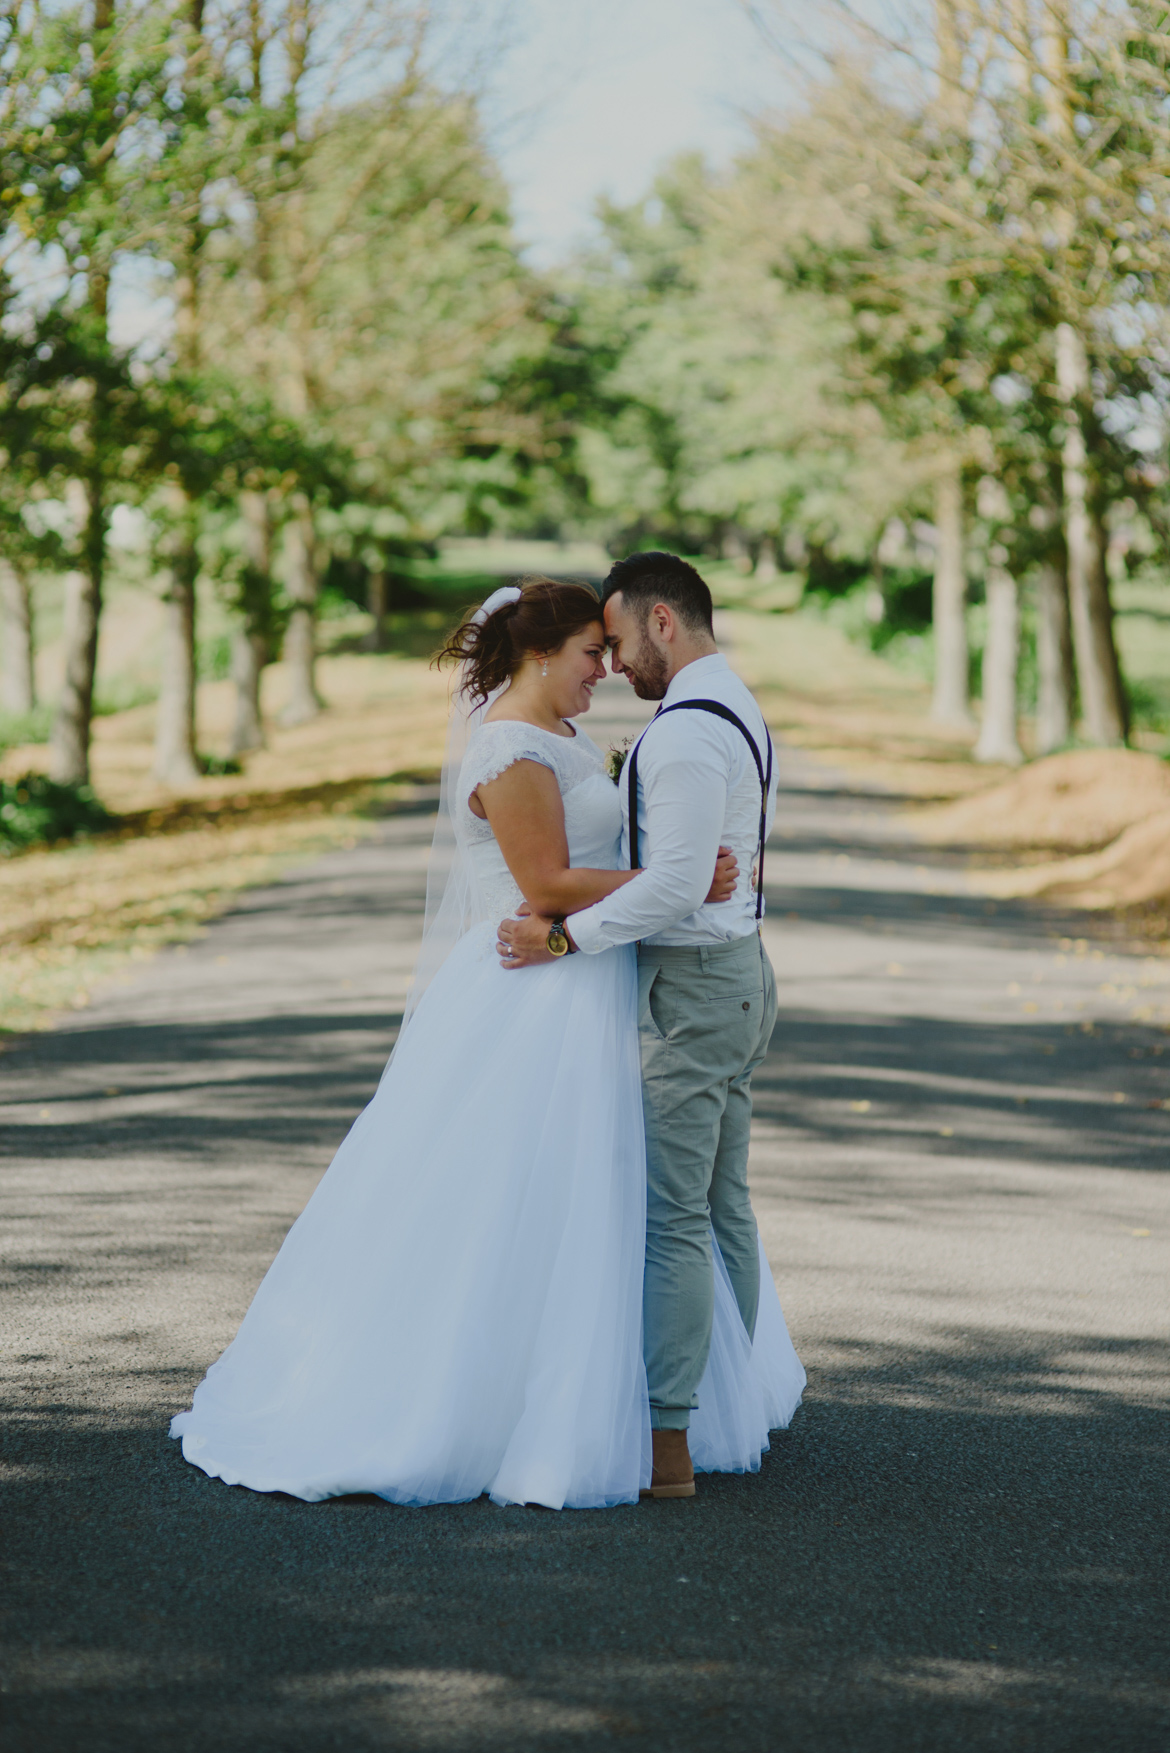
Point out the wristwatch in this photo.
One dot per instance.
(558, 939)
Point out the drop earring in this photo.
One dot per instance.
(544, 666)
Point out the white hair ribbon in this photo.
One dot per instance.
(507, 593)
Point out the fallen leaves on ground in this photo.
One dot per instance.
(71, 916)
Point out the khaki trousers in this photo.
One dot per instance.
(705, 1017)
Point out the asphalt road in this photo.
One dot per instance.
(961, 1543)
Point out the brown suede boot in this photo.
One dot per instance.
(673, 1475)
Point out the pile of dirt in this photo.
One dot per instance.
(1072, 802)
(1133, 870)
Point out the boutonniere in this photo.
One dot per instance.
(615, 758)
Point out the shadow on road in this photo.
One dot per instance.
(1045, 1089)
(960, 1545)
(1045, 1092)
(913, 1569)
(300, 1077)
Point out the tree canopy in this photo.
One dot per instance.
(914, 336)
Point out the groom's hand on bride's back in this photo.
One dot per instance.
(726, 876)
(523, 942)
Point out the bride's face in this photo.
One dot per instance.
(575, 670)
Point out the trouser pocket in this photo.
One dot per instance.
(657, 1002)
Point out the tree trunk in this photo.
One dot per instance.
(1101, 623)
(175, 761)
(951, 690)
(69, 763)
(250, 640)
(18, 693)
(1098, 672)
(734, 548)
(378, 604)
(1001, 663)
(300, 642)
(249, 655)
(1054, 694)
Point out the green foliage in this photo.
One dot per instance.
(213, 658)
(337, 604)
(219, 766)
(28, 727)
(414, 583)
(903, 638)
(1149, 703)
(769, 363)
(728, 413)
(36, 811)
(354, 328)
(902, 634)
(117, 695)
(878, 608)
(122, 694)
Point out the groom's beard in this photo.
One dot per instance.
(649, 670)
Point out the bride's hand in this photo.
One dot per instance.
(726, 875)
(522, 943)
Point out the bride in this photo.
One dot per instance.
(458, 1308)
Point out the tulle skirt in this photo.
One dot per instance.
(458, 1308)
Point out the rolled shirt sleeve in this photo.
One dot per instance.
(684, 791)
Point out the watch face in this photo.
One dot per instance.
(558, 943)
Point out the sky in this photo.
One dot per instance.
(588, 97)
(596, 94)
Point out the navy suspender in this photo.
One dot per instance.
(720, 711)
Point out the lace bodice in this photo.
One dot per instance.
(593, 816)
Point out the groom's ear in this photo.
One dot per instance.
(662, 619)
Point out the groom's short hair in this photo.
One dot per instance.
(654, 577)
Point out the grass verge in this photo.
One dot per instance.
(71, 917)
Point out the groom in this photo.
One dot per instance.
(701, 777)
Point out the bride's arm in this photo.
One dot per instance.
(523, 806)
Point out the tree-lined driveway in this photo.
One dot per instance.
(962, 1180)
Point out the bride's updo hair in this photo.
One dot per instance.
(545, 614)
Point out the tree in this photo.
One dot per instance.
(723, 416)
(950, 701)
(358, 270)
(923, 347)
(21, 550)
(80, 83)
(206, 89)
(17, 680)
(1058, 208)
(304, 565)
(175, 759)
(1102, 691)
(252, 641)
(24, 467)
(1054, 661)
(1075, 161)
(998, 740)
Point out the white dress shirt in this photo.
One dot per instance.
(698, 789)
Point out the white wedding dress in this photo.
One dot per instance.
(458, 1308)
